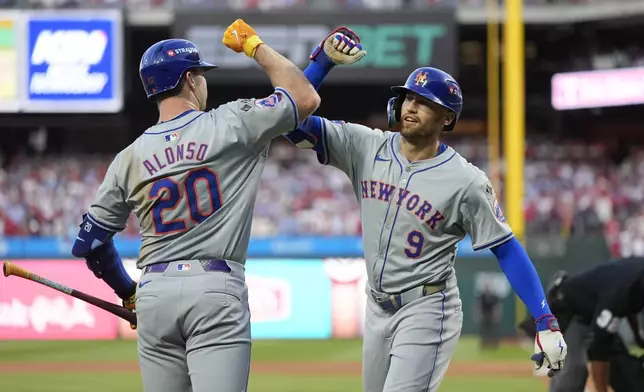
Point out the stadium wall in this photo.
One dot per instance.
(299, 288)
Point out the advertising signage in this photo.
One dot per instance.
(598, 88)
(10, 33)
(61, 61)
(73, 62)
(396, 42)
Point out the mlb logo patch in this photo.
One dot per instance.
(269, 101)
(171, 137)
(183, 267)
(498, 212)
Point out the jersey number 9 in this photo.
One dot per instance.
(174, 196)
(415, 241)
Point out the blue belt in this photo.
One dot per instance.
(207, 265)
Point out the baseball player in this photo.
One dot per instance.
(418, 198)
(591, 306)
(192, 180)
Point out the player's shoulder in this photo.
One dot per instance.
(360, 130)
(469, 172)
(467, 168)
(169, 130)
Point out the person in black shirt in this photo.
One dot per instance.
(488, 316)
(590, 307)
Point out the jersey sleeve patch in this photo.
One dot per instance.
(269, 102)
(490, 195)
(498, 212)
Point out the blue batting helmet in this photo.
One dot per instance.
(433, 84)
(164, 63)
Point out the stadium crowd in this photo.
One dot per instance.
(570, 188)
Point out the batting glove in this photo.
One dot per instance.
(240, 37)
(549, 345)
(130, 303)
(342, 46)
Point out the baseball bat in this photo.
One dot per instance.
(11, 269)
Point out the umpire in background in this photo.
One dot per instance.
(590, 307)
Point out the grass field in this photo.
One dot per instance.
(284, 366)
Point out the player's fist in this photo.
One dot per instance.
(241, 37)
(342, 46)
(549, 346)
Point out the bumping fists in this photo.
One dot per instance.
(241, 37)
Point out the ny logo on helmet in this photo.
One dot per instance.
(421, 78)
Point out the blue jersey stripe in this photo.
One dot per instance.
(493, 243)
(296, 113)
(440, 341)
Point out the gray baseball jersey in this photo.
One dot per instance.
(192, 181)
(413, 213)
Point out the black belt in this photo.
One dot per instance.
(393, 302)
(207, 265)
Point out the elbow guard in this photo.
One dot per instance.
(307, 134)
(90, 237)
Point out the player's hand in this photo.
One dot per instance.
(130, 303)
(549, 346)
(241, 37)
(342, 46)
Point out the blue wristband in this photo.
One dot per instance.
(318, 69)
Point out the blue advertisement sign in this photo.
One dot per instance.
(300, 247)
(74, 62)
(289, 299)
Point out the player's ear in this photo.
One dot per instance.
(190, 79)
(449, 118)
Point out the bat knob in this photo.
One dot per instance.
(6, 268)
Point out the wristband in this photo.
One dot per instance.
(251, 45)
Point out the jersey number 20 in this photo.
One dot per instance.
(174, 196)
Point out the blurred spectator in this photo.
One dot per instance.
(571, 188)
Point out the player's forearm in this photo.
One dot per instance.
(96, 245)
(107, 260)
(523, 277)
(599, 371)
(283, 73)
(309, 132)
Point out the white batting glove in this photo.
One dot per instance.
(342, 46)
(549, 345)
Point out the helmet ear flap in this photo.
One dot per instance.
(394, 108)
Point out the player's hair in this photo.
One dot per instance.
(177, 90)
(173, 92)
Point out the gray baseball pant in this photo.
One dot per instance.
(410, 350)
(194, 328)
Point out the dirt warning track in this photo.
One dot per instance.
(479, 369)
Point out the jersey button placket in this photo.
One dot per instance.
(384, 238)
